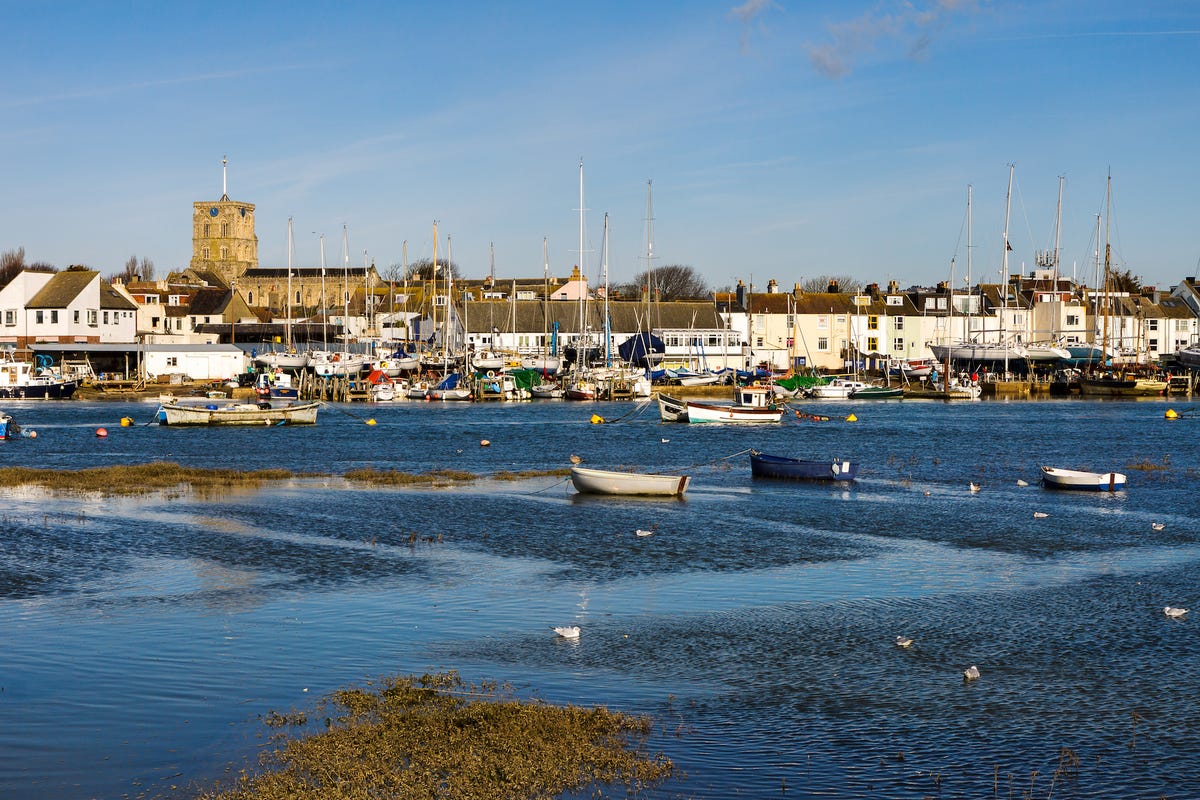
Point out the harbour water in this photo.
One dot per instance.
(143, 637)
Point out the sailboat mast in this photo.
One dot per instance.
(288, 304)
(324, 304)
(649, 260)
(1004, 270)
(970, 227)
(581, 345)
(1107, 260)
(345, 289)
(607, 348)
(545, 301)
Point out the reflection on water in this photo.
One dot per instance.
(144, 635)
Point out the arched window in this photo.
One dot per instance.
(297, 297)
(250, 298)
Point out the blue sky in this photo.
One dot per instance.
(784, 139)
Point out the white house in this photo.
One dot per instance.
(73, 306)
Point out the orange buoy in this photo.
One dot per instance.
(102, 432)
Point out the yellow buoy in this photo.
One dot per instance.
(1171, 414)
(371, 421)
(126, 422)
(597, 419)
(851, 418)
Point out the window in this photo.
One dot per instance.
(895, 300)
(224, 252)
(873, 344)
(225, 229)
(92, 315)
(206, 230)
(297, 297)
(1152, 324)
(105, 317)
(822, 322)
(249, 297)
(75, 316)
(1153, 344)
(38, 316)
(872, 323)
(899, 323)
(1072, 319)
(823, 343)
(204, 253)
(791, 321)
(760, 342)
(10, 316)
(898, 345)
(1018, 319)
(440, 300)
(154, 322)
(172, 361)
(54, 316)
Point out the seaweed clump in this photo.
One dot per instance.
(435, 736)
(136, 478)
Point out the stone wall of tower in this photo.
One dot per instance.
(223, 238)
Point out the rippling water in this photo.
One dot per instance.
(143, 637)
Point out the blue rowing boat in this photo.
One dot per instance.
(797, 469)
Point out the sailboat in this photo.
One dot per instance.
(345, 363)
(546, 362)
(288, 358)
(1113, 382)
(452, 386)
(974, 351)
(581, 385)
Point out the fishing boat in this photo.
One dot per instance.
(796, 469)
(837, 389)
(1122, 384)
(546, 390)
(238, 414)
(275, 385)
(24, 379)
(724, 412)
(1055, 478)
(602, 481)
(671, 409)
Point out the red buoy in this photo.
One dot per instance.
(102, 432)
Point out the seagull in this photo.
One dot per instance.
(974, 487)
(1040, 515)
(575, 459)
(664, 441)
(641, 532)
(1021, 482)
(1172, 611)
(1158, 526)
(567, 631)
(904, 641)
(971, 673)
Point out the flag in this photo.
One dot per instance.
(1009, 246)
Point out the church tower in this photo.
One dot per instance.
(223, 238)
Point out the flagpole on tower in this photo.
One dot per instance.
(224, 180)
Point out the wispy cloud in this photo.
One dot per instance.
(750, 13)
(92, 92)
(909, 23)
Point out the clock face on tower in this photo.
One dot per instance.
(213, 211)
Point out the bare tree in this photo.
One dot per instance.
(423, 270)
(12, 263)
(134, 270)
(821, 284)
(672, 282)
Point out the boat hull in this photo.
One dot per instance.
(239, 414)
(671, 409)
(634, 484)
(796, 469)
(714, 412)
(1078, 480)
(1119, 387)
(49, 390)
